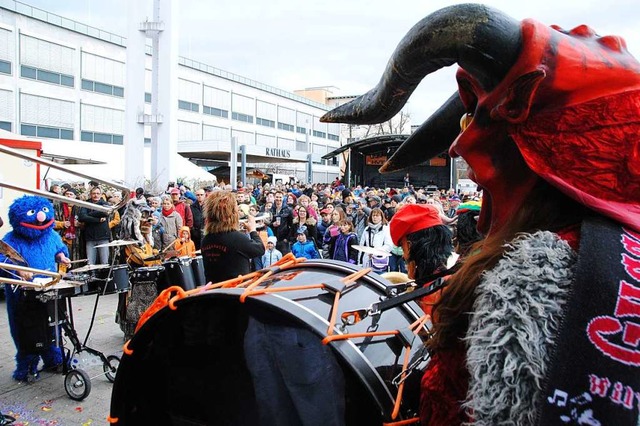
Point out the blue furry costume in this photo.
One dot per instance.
(33, 237)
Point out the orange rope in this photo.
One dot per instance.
(334, 313)
(405, 364)
(417, 325)
(161, 301)
(349, 279)
(333, 337)
(112, 419)
(125, 348)
(403, 422)
(249, 290)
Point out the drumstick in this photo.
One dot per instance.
(80, 260)
(164, 250)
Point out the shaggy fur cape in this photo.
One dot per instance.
(513, 327)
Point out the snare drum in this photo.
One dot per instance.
(178, 272)
(119, 281)
(200, 344)
(197, 266)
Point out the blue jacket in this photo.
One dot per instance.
(306, 249)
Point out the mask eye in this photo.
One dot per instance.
(45, 209)
(31, 212)
(465, 121)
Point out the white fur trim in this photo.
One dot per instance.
(513, 326)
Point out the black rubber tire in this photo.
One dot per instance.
(113, 361)
(77, 384)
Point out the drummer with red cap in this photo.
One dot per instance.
(426, 243)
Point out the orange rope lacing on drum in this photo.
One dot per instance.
(173, 294)
(403, 422)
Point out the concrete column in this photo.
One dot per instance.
(134, 97)
(165, 93)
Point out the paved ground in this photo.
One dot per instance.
(45, 402)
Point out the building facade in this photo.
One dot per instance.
(64, 81)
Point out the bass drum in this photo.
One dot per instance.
(187, 365)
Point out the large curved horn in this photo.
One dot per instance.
(482, 40)
(433, 137)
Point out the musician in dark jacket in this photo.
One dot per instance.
(96, 229)
(226, 251)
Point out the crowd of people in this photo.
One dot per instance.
(311, 221)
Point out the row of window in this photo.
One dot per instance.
(63, 79)
(242, 117)
(107, 89)
(48, 76)
(46, 132)
(265, 122)
(217, 112)
(188, 106)
(101, 137)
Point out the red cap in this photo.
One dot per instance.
(175, 191)
(413, 218)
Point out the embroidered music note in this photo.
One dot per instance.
(559, 398)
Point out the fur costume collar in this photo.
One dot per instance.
(513, 326)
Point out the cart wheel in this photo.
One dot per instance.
(77, 384)
(111, 367)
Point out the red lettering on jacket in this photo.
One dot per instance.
(628, 303)
(599, 327)
(598, 386)
(631, 245)
(632, 266)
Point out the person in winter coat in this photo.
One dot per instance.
(185, 245)
(376, 235)
(281, 224)
(272, 255)
(341, 243)
(303, 218)
(304, 247)
(171, 222)
(96, 229)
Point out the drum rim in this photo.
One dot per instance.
(346, 350)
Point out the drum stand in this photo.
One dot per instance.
(77, 382)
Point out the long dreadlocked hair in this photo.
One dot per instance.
(221, 213)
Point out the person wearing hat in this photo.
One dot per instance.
(454, 202)
(304, 247)
(426, 243)
(374, 201)
(272, 254)
(466, 230)
(183, 209)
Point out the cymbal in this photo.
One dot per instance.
(12, 254)
(88, 268)
(371, 250)
(117, 243)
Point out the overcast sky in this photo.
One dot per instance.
(293, 44)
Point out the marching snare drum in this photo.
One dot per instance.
(178, 272)
(197, 265)
(187, 363)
